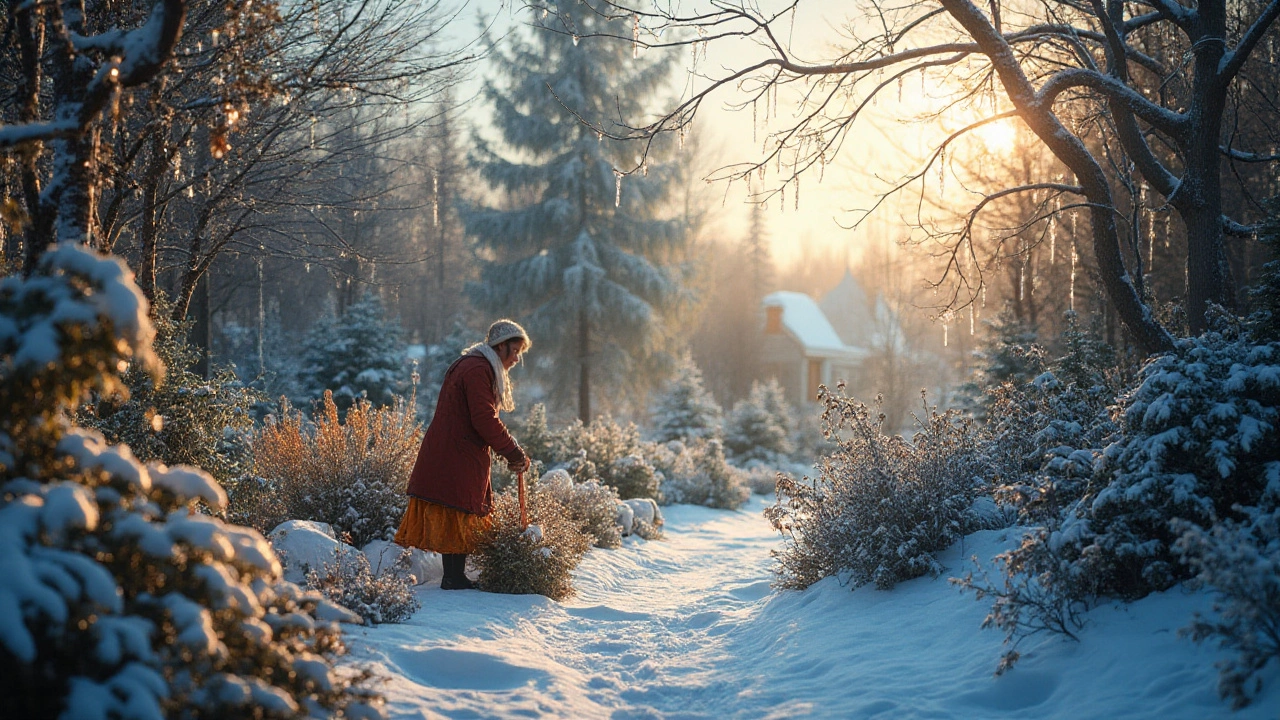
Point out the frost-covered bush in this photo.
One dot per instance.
(882, 505)
(182, 418)
(119, 600)
(612, 452)
(759, 427)
(349, 580)
(348, 472)
(534, 561)
(761, 479)
(686, 410)
(590, 505)
(1240, 561)
(697, 473)
(358, 355)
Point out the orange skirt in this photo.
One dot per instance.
(438, 528)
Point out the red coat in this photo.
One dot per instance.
(452, 468)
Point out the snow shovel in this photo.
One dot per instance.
(524, 511)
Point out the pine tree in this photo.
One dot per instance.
(576, 257)
(360, 354)
(758, 428)
(686, 410)
(1265, 295)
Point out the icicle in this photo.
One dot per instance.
(797, 198)
(899, 88)
(215, 37)
(435, 199)
(1166, 227)
(635, 35)
(1022, 281)
(942, 172)
(617, 188)
(972, 318)
(575, 39)
(946, 335)
(782, 204)
(984, 295)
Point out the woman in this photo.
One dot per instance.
(450, 497)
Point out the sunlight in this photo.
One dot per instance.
(998, 136)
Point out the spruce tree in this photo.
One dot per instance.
(360, 354)
(758, 428)
(576, 252)
(686, 411)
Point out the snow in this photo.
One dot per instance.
(306, 545)
(689, 627)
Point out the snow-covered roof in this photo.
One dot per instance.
(802, 317)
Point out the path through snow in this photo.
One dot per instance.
(689, 628)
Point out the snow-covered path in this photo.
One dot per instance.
(689, 628)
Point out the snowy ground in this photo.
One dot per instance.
(689, 628)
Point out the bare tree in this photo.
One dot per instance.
(1064, 68)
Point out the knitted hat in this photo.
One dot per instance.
(504, 330)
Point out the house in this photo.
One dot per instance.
(806, 343)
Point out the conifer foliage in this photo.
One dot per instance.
(686, 411)
(759, 427)
(119, 600)
(580, 261)
(360, 354)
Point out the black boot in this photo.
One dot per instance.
(455, 576)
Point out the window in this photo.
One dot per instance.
(773, 320)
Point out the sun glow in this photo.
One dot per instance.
(1000, 136)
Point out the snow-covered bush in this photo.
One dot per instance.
(697, 473)
(759, 427)
(349, 580)
(538, 560)
(882, 505)
(686, 410)
(358, 355)
(348, 472)
(1241, 562)
(182, 419)
(761, 479)
(590, 505)
(611, 451)
(119, 600)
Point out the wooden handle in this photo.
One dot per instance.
(524, 510)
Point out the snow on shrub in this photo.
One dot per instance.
(1240, 561)
(759, 426)
(534, 561)
(118, 599)
(686, 410)
(882, 505)
(386, 597)
(697, 473)
(591, 506)
(350, 473)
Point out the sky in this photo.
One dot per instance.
(824, 215)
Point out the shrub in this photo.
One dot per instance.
(123, 601)
(536, 561)
(762, 479)
(612, 452)
(882, 505)
(1241, 562)
(592, 507)
(384, 598)
(181, 419)
(698, 474)
(351, 475)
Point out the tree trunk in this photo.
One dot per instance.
(150, 229)
(201, 329)
(584, 367)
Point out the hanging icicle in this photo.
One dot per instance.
(942, 172)
(1022, 281)
(1053, 238)
(797, 198)
(617, 188)
(635, 35)
(972, 318)
(946, 335)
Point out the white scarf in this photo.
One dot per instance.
(501, 381)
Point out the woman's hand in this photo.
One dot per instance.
(520, 467)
